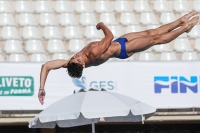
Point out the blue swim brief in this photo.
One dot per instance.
(122, 42)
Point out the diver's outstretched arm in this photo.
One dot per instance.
(55, 64)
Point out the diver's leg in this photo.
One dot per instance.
(161, 30)
(143, 43)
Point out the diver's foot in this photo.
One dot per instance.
(187, 17)
(191, 23)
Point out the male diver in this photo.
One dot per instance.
(96, 53)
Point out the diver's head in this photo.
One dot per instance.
(75, 67)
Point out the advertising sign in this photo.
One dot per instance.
(159, 84)
(16, 86)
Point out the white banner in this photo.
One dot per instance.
(159, 84)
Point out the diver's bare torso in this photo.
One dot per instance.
(112, 51)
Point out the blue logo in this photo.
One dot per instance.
(81, 83)
(177, 84)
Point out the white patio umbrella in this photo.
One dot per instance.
(88, 107)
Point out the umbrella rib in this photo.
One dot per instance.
(82, 103)
(136, 103)
(119, 100)
(125, 103)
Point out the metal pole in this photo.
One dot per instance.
(93, 126)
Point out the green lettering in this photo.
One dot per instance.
(27, 83)
(21, 81)
(8, 82)
(15, 82)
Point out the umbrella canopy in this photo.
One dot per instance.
(88, 107)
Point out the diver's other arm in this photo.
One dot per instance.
(104, 43)
(55, 64)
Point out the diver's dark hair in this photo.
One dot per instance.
(75, 70)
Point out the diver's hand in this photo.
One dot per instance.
(41, 95)
(98, 26)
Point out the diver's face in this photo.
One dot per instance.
(77, 59)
